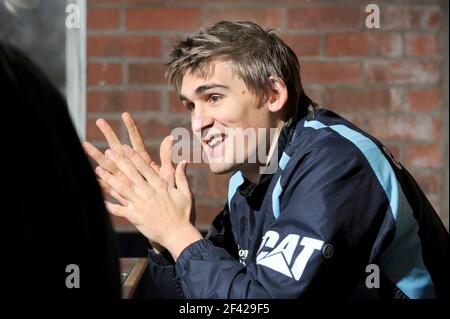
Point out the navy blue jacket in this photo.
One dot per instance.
(340, 218)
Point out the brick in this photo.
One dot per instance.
(428, 182)
(407, 17)
(103, 18)
(352, 99)
(199, 166)
(324, 18)
(153, 129)
(163, 18)
(103, 2)
(385, 44)
(95, 135)
(303, 44)
(423, 155)
(145, 46)
(240, 2)
(406, 128)
(316, 94)
(119, 101)
(347, 44)
(265, 17)
(403, 72)
(153, 149)
(438, 208)
(424, 100)
(422, 44)
(216, 186)
(433, 18)
(325, 72)
(363, 44)
(207, 213)
(354, 118)
(143, 1)
(94, 3)
(396, 99)
(104, 73)
(194, 180)
(146, 73)
(397, 17)
(394, 149)
(441, 211)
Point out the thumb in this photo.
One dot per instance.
(167, 171)
(181, 179)
(165, 152)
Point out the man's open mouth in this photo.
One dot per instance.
(213, 145)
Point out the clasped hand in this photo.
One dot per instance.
(156, 200)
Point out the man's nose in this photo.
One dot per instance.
(200, 119)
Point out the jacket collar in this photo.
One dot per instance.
(255, 192)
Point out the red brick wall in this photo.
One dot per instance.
(389, 81)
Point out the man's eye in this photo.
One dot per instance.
(190, 106)
(215, 98)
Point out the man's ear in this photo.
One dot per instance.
(278, 94)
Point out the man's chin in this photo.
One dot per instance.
(222, 168)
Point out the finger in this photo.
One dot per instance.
(116, 184)
(101, 159)
(104, 187)
(137, 141)
(147, 171)
(108, 190)
(115, 209)
(165, 152)
(110, 136)
(167, 171)
(136, 137)
(155, 167)
(181, 179)
(128, 169)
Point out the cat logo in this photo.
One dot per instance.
(280, 258)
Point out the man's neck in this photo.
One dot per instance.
(253, 172)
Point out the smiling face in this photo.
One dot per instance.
(221, 108)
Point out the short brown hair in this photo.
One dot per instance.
(255, 54)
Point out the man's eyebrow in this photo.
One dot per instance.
(203, 88)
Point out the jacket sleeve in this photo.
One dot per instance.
(331, 211)
(164, 276)
(162, 265)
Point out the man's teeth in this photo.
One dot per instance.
(215, 141)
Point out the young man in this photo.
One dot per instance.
(338, 204)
